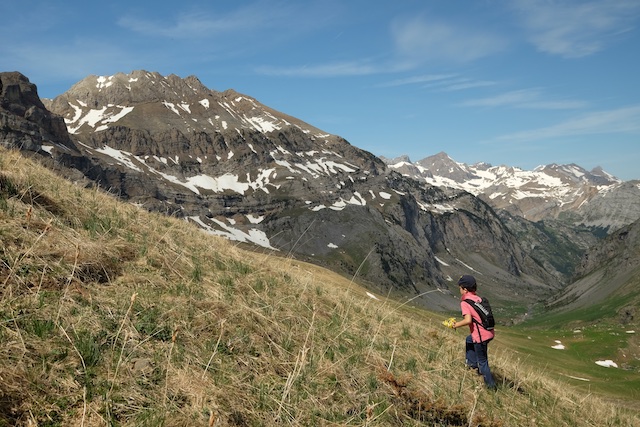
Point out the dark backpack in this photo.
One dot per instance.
(483, 308)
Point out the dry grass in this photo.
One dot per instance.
(111, 316)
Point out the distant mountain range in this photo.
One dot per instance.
(590, 198)
(242, 170)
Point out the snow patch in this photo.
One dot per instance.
(372, 296)
(607, 363)
(103, 82)
(468, 266)
(255, 219)
(441, 262)
(93, 117)
(253, 236)
(119, 156)
(578, 378)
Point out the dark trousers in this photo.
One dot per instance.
(477, 359)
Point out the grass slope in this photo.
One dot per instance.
(111, 316)
(596, 319)
(608, 330)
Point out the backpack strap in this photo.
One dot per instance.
(472, 304)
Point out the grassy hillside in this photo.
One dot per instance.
(596, 319)
(111, 316)
(608, 330)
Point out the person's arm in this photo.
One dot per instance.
(464, 322)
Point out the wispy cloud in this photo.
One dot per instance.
(421, 40)
(335, 69)
(465, 84)
(439, 82)
(574, 29)
(427, 78)
(415, 41)
(622, 120)
(253, 20)
(526, 98)
(198, 24)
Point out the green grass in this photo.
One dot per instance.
(576, 362)
(591, 334)
(606, 310)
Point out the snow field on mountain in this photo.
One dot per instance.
(315, 167)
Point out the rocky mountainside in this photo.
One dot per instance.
(609, 268)
(244, 171)
(568, 193)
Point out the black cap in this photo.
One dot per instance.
(467, 281)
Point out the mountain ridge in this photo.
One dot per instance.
(97, 101)
(566, 192)
(254, 175)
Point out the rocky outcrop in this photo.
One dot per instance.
(622, 247)
(25, 123)
(607, 269)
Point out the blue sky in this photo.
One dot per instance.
(514, 82)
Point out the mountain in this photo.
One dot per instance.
(609, 269)
(569, 193)
(244, 171)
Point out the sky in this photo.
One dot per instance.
(508, 82)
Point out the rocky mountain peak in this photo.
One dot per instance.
(442, 165)
(401, 159)
(547, 192)
(576, 174)
(136, 87)
(150, 102)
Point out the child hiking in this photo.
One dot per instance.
(480, 333)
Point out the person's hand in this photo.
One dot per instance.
(449, 323)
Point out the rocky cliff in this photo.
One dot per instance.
(25, 123)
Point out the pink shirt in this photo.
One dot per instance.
(478, 333)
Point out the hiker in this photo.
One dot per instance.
(478, 340)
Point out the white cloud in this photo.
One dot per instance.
(428, 78)
(525, 98)
(423, 40)
(574, 29)
(256, 20)
(464, 84)
(622, 120)
(186, 25)
(349, 68)
(440, 82)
